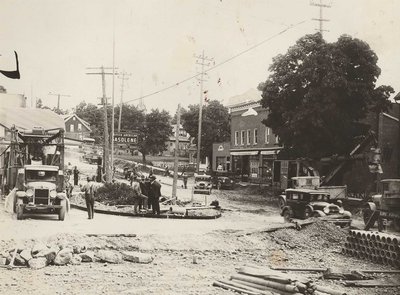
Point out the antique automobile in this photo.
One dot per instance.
(306, 203)
(202, 184)
(223, 182)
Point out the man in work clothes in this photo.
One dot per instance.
(76, 175)
(89, 197)
(155, 189)
(137, 195)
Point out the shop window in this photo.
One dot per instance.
(236, 137)
(267, 135)
(242, 133)
(255, 136)
(248, 137)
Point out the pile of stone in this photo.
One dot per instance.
(41, 255)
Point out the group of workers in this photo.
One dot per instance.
(146, 193)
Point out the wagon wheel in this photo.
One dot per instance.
(367, 213)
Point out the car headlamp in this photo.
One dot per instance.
(341, 210)
(29, 192)
(53, 194)
(326, 210)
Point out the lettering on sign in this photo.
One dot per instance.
(126, 138)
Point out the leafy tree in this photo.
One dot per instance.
(154, 131)
(215, 125)
(319, 92)
(131, 117)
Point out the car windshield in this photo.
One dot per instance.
(203, 178)
(320, 197)
(41, 175)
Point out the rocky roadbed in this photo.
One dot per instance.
(182, 264)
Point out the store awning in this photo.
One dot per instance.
(244, 153)
(273, 152)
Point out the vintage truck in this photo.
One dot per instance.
(33, 167)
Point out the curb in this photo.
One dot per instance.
(168, 216)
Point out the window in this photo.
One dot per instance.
(71, 128)
(236, 137)
(248, 136)
(267, 134)
(255, 140)
(242, 133)
(79, 127)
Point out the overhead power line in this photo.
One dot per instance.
(219, 64)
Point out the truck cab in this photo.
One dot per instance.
(40, 190)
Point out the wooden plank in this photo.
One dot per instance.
(372, 284)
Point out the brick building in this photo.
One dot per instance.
(253, 145)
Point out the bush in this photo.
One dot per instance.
(115, 194)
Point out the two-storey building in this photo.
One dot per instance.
(253, 145)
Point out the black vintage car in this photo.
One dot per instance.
(223, 182)
(306, 203)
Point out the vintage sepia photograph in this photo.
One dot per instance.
(212, 147)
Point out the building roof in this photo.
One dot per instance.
(26, 119)
(251, 95)
(84, 123)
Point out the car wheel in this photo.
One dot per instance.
(307, 213)
(281, 202)
(63, 209)
(287, 216)
(367, 213)
(20, 210)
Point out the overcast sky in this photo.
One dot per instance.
(155, 41)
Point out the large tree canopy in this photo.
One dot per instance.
(215, 125)
(318, 92)
(154, 132)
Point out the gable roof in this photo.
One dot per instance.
(84, 123)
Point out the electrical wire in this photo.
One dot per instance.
(219, 64)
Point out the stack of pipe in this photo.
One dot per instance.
(377, 247)
(253, 280)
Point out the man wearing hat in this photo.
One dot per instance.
(138, 196)
(155, 193)
(89, 197)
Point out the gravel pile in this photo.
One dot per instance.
(314, 236)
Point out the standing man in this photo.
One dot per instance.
(89, 197)
(155, 188)
(76, 175)
(185, 179)
(138, 196)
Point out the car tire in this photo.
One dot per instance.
(281, 202)
(307, 213)
(367, 213)
(20, 209)
(63, 210)
(287, 216)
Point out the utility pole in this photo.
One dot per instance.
(59, 96)
(176, 162)
(203, 61)
(123, 78)
(321, 20)
(106, 155)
